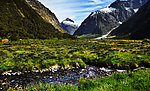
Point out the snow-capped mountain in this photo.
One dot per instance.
(104, 20)
(69, 26)
(137, 26)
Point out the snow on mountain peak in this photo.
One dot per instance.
(70, 23)
(135, 10)
(68, 19)
(69, 26)
(107, 10)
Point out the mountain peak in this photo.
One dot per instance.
(68, 19)
(104, 20)
(136, 27)
(69, 26)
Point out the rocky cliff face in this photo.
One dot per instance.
(136, 27)
(102, 21)
(69, 26)
(45, 13)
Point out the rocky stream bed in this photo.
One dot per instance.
(66, 76)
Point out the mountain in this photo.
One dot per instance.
(102, 21)
(18, 21)
(45, 13)
(69, 26)
(136, 27)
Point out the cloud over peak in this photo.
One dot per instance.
(78, 10)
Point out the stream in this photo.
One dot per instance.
(106, 35)
(67, 76)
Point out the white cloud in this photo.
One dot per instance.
(72, 17)
(90, 8)
(95, 2)
(73, 8)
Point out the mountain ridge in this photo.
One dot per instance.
(19, 21)
(102, 21)
(69, 26)
(45, 13)
(136, 27)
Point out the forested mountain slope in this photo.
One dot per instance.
(18, 20)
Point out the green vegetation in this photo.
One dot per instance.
(19, 21)
(26, 54)
(89, 36)
(133, 81)
(146, 41)
(139, 80)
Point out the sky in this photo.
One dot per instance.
(77, 10)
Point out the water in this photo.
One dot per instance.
(106, 35)
(67, 76)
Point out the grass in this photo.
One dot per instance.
(89, 36)
(26, 54)
(139, 80)
(133, 81)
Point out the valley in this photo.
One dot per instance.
(109, 51)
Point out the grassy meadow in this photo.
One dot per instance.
(25, 55)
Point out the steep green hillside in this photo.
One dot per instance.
(19, 20)
(46, 14)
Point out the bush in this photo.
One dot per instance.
(146, 41)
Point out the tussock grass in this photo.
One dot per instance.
(26, 54)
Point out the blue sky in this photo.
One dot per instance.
(77, 10)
